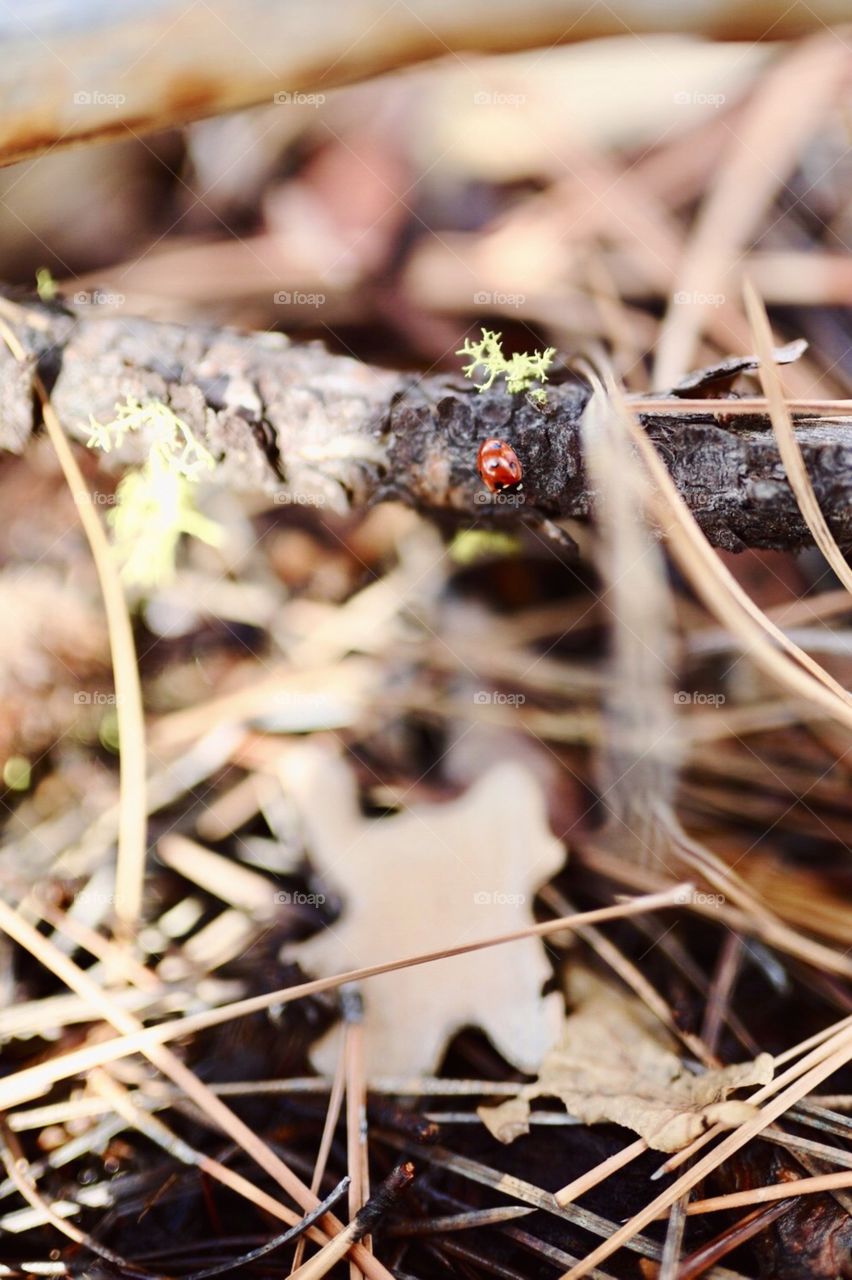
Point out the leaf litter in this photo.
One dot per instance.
(614, 1063)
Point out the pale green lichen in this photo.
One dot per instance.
(46, 286)
(171, 439)
(155, 503)
(472, 545)
(521, 371)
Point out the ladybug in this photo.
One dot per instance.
(499, 466)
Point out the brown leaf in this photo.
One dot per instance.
(432, 877)
(614, 1062)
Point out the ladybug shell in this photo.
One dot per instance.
(498, 465)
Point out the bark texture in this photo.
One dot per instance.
(313, 428)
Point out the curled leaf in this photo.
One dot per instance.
(615, 1063)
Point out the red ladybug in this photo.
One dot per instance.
(499, 466)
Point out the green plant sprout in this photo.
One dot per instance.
(521, 370)
(472, 545)
(155, 503)
(46, 286)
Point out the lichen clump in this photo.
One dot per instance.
(522, 370)
(155, 504)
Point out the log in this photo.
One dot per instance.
(309, 427)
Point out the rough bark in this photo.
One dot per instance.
(75, 70)
(313, 428)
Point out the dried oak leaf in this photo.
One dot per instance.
(432, 877)
(615, 1063)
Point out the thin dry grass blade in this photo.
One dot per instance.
(705, 1257)
(775, 1191)
(640, 730)
(726, 1148)
(360, 1226)
(245, 889)
(519, 1189)
(669, 1263)
(725, 598)
(356, 1111)
(780, 936)
(788, 445)
(18, 1170)
(630, 975)
(33, 1081)
(170, 1065)
(332, 1115)
(132, 823)
(814, 1047)
(159, 1133)
(573, 1190)
(745, 406)
(763, 151)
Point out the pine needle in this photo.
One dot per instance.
(788, 445)
(33, 1081)
(132, 819)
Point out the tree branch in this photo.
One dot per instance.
(313, 428)
(84, 69)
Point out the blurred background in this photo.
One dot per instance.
(562, 195)
(612, 193)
